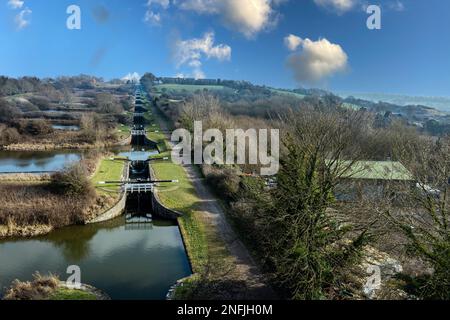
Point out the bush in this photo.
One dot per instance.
(72, 182)
(34, 127)
(8, 135)
(225, 181)
(7, 111)
(42, 103)
(39, 289)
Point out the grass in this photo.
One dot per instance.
(191, 88)
(288, 93)
(63, 293)
(109, 170)
(350, 106)
(182, 197)
(45, 287)
(155, 134)
(26, 207)
(124, 131)
(201, 239)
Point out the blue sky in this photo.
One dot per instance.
(331, 46)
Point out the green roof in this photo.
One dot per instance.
(377, 170)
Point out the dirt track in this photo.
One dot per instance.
(213, 212)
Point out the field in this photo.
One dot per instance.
(108, 170)
(288, 93)
(123, 131)
(179, 88)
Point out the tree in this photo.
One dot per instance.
(38, 127)
(8, 135)
(67, 97)
(202, 107)
(7, 112)
(305, 248)
(73, 181)
(106, 103)
(427, 222)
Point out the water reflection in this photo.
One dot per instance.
(125, 263)
(28, 161)
(65, 127)
(137, 153)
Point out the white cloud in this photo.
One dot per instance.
(15, 4)
(248, 17)
(317, 60)
(198, 74)
(396, 5)
(292, 42)
(339, 6)
(191, 52)
(135, 77)
(163, 3)
(152, 18)
(21, 19)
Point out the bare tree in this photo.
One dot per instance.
(304, 247)
(426, 223)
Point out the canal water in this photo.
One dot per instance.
(29, 161)
(125, 259)
(66, 127)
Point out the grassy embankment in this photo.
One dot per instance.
(49, 288)
(110, 169)
(178, 88)
(30, 207)
(63, 293)
(124, 132)
(203, 245)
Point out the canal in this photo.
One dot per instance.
(33, 161)
(125, 259)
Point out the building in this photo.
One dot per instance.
(373, 180)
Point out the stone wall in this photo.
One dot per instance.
(112, 213)
(118, 209)
(158, 208)
(162, 211)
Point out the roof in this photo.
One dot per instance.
(378, 170)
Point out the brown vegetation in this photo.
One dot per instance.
(39, 289)
(297, 230)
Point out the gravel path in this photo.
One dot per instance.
(213, 211)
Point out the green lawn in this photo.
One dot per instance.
(288, 93)
(202, 242)
(123, 131)
(154, 134)
(182, 197)
(191, 88)
(71, 294)
(109, 170)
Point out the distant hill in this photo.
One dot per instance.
(440, 103)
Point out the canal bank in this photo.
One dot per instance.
(128, 256)
(223, 267)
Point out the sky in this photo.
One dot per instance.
(281, 43)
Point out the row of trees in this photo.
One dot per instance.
(307, 251)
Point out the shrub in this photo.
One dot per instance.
(7, 111)
(225, 181)
(72, 182)
(40, 288)
(8, 135)
(42, 103)
(36, 127)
